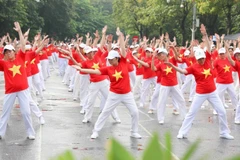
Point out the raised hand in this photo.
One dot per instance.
(203, 29)
(17, 27)
(96, 34)
(104, 30)
(26, 33)
(118, 32)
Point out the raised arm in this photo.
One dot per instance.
(183, 71)
(153, 67)
(121, 43)
(21, 37)
(141, 62)
(205, 37)
(233, 63)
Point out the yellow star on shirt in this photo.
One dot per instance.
(117, 75)
(15, 70)
(226, 68)
(206, 72)
(95, 66)
(168, 70)
(33, 61)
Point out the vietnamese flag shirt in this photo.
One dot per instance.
(14, 74)
(204, 76)
(118, 77)
(224, 71)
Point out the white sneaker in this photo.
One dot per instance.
(94, 135)
(140, 105)
(226, 106)
(190, 100)
(150, 111)
(161, 122)
(181, 136)
(70, 90)
(175, 112)
(0, 137)
(215, 112)
(227, 136)
(41, 120)
(74, 99)
(136, 135)
(82, 111)
(117, 120)
(85, 120)
(31, 137)
(237, 122)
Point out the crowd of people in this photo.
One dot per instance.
(118, 72)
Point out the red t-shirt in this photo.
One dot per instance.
(203, 75)
(1, 53)
(43, 54)
(95, 63)
(189, 61)
(237, 68)
(148, 72)
(75, 56)
(169, 75)
(14, 74)
(224, 71)
(118, 76)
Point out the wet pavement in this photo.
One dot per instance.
(64, 130)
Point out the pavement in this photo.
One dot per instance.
(64, 130)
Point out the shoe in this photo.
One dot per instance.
(74, 99)
(136, 135)
(226, 106)
(41, 120)
(161, 122)
(82, 111)
(175, 112)
(85, 121)
(227, 136)
(190, 100)
(0, 137)
(215, 112)
(70, 90)
(94, 135)
(181, 136)
(150, 111)
(117, 120)
(140, 105)
(31, 137)
(237, 122)
(203, 107)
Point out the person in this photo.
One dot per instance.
(120, 90)
(169, 84)
(205, 90)
(14, 71)
(236, 65)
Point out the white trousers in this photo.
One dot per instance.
(189, 79)
(215, 101)
(72, 78)
(146, 87)
(33, 105)
(41, 76)
(37, 83)
(132, 76)
(165, 92)
(221, 88)
(155, 98)
(84, 85)
(45, 66)
(8, 102)
(138, 85)
(94, 89)
(62, 64)
(112, 102)
(68, 73)
(76, 86)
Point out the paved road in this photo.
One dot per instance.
(64, 130)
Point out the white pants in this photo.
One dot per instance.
(221, 88)
(8, 102)
(189, 79)
(132, 76)
(62, 64)
(68, 74)
(41, 76)
(76, 87)
(84, 84)
(237, 114)
(37, 83)
(72, 78)
(94, 89)
(215, 101)
(112, 101)
(165, 92)
(138, 85)
(155, 98)
(146, 87)
(45, 66)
